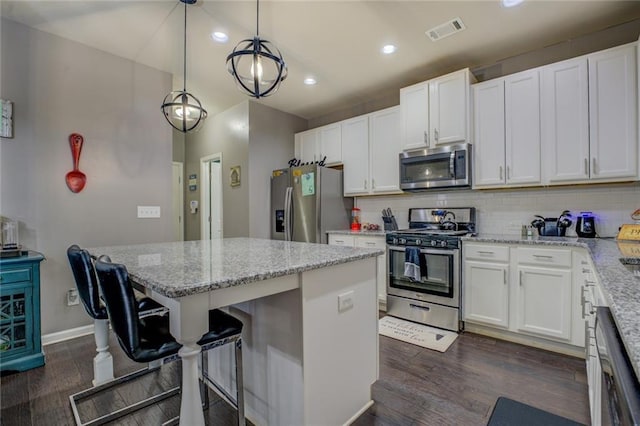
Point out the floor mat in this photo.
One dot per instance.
(416, 334)
(508, 412)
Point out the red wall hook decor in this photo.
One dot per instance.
(75, 178)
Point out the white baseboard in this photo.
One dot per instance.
(61, 336)
(359, 413)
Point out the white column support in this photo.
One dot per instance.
(103, 361)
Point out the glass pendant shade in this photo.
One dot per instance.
(257, 67)
(183, 111)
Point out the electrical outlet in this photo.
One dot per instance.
(148, 212)
(72, 297)
(345, 301)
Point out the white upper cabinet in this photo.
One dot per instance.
(355, 155)
(613, 113)
(384, 147)
(489, 148)
(522, 128)
(330, 143)
(370, 148)
(565, 121)
(436, 112)
(507, 131)
(449, 108)
(315, 144)
(307, 146)
(414, 106)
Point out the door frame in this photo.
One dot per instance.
(180, 197)
(205, 195)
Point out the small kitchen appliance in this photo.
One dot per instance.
(432, 296)
(586, 225)
(552, 226)
(9, 245)
(356, 223)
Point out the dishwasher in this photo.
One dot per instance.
(620, 387)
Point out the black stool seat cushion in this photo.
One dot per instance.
(156, 340)
(84, 275)
(221, 325)
(508, 412)
(146, 303)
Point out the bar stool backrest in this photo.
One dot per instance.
(86, 281)
(119, 299)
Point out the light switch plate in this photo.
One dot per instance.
(148, 212)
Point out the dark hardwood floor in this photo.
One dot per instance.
(417, 386)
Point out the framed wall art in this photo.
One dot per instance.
(234, 176)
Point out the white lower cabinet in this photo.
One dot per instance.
(544, 301)
(520, 289)
(368, 241)
(486, 293)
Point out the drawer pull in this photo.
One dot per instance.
(589, 283)
(542, 256)
(486, 252)
(504, 275)
(520, 277)
(370, 243)
(424, 308)
(586, 271)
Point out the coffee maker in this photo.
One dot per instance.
(586, 225)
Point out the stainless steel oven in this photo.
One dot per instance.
(435, 298)
(433, 294)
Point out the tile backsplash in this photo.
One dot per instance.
(505, 211)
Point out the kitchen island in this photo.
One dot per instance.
(619, 285)
(310, 342)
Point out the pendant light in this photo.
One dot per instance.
(257, 65)
(181, 109)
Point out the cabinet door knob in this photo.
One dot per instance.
(436, 135)
(586, 166)
(373, 184)
(594, 170)
(500, 172)
(520, 277)
(504, 275)
(365, 184)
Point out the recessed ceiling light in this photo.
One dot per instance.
(388, 49)
(310, 81)
(219, 36)
(511, 3)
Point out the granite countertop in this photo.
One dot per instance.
(178, 269)
(619, 286)
(379, 233)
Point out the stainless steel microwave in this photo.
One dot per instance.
(445, 167)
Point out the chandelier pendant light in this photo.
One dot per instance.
(181, 109)
(257, 65)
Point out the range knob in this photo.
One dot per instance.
(418, 242)
(395, 241)
(403, 241)
(443, 243)
(433, 243)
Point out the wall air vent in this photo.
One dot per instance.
(446, 29)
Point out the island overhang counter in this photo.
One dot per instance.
(309, 312)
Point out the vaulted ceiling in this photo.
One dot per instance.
(337, 42)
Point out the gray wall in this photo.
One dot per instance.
(255, 137)
(228, 133)
(59, 87)
(271, 146)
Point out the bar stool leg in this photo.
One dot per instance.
(239, 383)
(103, 361)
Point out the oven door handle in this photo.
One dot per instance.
(425, 250)
(424, 308)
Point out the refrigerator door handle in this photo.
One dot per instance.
(287, 213)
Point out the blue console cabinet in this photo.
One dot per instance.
(20, 346)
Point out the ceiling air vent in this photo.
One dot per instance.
(446, 29)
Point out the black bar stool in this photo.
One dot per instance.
(149, 339)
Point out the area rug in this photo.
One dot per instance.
(508, 412)
(416, 334)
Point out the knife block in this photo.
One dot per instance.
(390, 223)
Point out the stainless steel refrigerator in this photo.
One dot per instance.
(306, 202)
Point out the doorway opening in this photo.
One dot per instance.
(211, 197)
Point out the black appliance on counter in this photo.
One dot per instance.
(552, 226)
(586, 225)
(434, 296)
